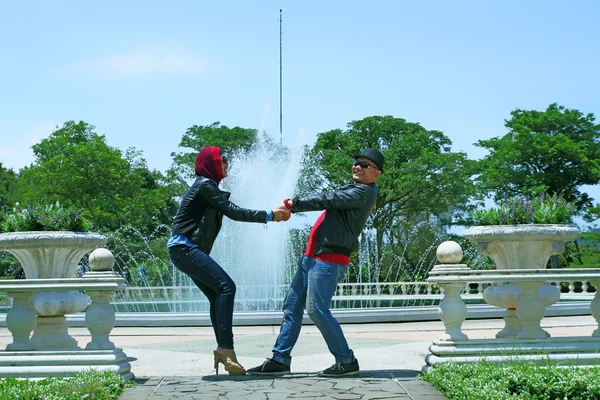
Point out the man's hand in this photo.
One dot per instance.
(281, 214)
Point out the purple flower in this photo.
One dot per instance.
(41, 218)
(543, 196)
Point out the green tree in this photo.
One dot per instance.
(230, 140)
(76, 167)
(424, 181)
(8, 188)
(553, 151)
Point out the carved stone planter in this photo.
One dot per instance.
(51, 255)
(522, 247)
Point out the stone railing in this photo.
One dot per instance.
(525, 293)
(571, 289)
(40, 305)
(21, 318)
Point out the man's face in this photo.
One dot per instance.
(364, 171)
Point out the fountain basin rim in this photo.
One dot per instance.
(528, 232)
(28, 239)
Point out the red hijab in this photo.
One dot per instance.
(208, 163)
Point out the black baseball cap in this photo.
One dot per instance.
(375, 156)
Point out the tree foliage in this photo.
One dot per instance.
(8, 188)
(423, 177)
(76, 167)
(553, 151)
(230, 140)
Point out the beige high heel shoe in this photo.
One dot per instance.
(230, 362)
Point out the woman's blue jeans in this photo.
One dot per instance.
(214, 282)
(313, 287)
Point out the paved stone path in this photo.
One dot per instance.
(371, 385)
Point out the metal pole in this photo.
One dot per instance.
(280, 85)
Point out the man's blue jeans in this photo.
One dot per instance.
(313, 287)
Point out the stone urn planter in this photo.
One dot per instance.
(522, 247)
(47, 255)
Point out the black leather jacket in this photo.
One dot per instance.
(201, 211)
(348, 209)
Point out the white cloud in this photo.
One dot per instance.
(144, 60)
(15, 149)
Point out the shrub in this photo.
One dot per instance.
(523, 210)
(51, 217)
(515, 380)
(98, 385)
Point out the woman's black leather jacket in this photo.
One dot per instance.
(201, 211)
(348, 209)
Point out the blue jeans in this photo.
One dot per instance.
(214, 282)
(314, 285)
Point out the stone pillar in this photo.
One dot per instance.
(51, 331)
(453, 310)
(595, 306)
(530, 310)
(100, 315)
(100, 320)
(508, 295)
(20, 321)
(505, 296)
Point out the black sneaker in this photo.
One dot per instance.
(337, 370)
(270, 367)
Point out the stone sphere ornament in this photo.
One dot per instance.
(449, 252)
(101, 260)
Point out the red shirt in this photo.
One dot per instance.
(326, 257)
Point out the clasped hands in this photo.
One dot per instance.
(282, 213)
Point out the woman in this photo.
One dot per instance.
(195, 228)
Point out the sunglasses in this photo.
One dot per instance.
(364, 164)
(224, 158)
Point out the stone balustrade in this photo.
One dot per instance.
(382, 291)
(100, 315)
(525, 293)
(52, 351)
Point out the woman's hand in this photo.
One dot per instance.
(281, 213)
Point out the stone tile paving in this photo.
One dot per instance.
(369, 386)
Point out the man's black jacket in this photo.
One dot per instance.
(348, 209)
(201, 211)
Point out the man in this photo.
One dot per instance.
(332, 239)
(126, 275)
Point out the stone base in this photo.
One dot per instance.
(43, 364)
(564, 351)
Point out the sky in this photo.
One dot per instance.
(143, 72)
